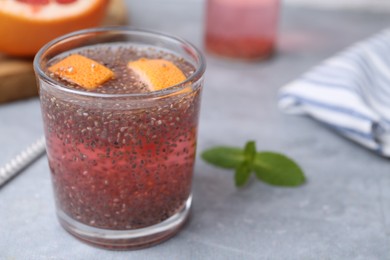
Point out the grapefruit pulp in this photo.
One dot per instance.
(26, 25)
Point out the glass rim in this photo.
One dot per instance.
(124, 30)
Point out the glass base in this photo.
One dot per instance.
(126, 239)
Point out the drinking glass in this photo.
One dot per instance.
(121, 164)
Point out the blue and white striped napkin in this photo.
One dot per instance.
(349, 93)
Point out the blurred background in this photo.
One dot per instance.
(345, 4)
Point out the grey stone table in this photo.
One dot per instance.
(343, 212)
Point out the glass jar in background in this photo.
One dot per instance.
(245, 29)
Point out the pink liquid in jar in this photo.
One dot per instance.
(244, 29)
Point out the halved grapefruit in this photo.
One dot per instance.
(26, 25)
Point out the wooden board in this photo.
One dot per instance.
(17, 79)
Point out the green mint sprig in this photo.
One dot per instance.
(272, 168)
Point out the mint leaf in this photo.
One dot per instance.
(269, 167)
(224, 157)
(242, 174)
(277, 169)
(250, 152)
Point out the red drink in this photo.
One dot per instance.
(244, 29)
(121, 157)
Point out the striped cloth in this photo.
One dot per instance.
(349, 93)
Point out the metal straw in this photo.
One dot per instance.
(22, 160)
